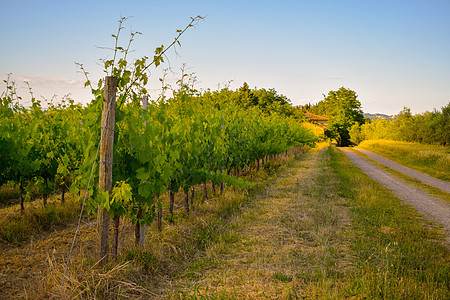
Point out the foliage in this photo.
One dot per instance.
(176, 143)
(427, 128)
(344, 110)
(39, 147)
(268, 101)
(430, 159)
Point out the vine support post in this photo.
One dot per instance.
(106, 161)
(141, 239)
(222, 184)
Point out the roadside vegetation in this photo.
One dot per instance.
(399, 257)
(433, 160)
(425, 128)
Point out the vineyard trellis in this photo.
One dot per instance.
(169, 145)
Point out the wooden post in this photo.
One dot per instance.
(106, 161)
(186, 201)
(205, 191)
(141, 239)
(159, 202)
(222, 184)
(171, 206)
(192, 197)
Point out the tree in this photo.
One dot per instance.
(344, 110)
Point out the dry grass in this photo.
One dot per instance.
(285, 244)
(34, 269)
(319, 229)
(17, 227)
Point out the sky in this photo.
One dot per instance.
(393, 54)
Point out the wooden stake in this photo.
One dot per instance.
(205, 191)
(186, 201)
(106, 161)
(192, 197)
(171, 205)
(142, 227)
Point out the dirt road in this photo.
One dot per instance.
(431, 207)
(437, 183)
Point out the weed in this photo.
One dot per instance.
(9, 193)
(146, 260)
(282, 277)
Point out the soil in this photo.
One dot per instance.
(429, 206)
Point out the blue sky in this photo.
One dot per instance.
(392, 53)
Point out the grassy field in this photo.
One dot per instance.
(324, 230)
(313, 227)
(430, 159)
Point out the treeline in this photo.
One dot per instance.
(426, 128)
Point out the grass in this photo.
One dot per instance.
(316, 228)
(397, 256)
(285, 243)
(428, 188)
(17, 227)
(181, 251)
(430, 159)
(9, 194)
(323, 230)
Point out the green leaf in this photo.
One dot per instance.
(103, 199)
(142, 174)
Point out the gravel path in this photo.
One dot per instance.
(437, 183)
(432, 207)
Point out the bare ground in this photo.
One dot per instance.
(433, 208)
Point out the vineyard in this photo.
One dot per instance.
(200, 194)
(157, 147)
(179, 143)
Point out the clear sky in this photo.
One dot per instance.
(392, 53)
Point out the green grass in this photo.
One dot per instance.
(282, 277)
(397, 257)
(9, 194)
(428, 188)
(17, 227)
(430, 159)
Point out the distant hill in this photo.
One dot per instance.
(379, 116)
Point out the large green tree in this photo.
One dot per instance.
(344, 110)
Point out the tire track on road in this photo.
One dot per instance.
(424, 178)
(431, 207)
